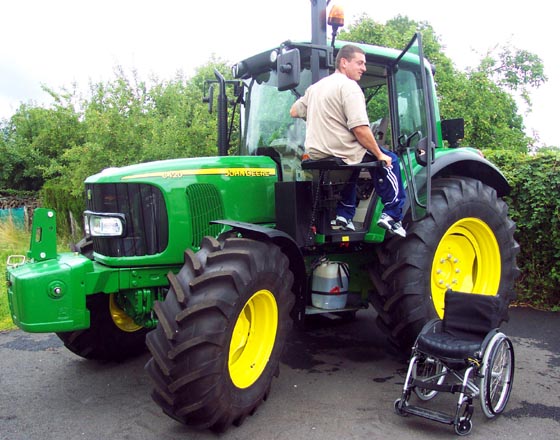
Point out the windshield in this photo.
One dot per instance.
(266, 125)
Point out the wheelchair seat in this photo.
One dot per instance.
(467, 320)
(447, 346)
(465, 353)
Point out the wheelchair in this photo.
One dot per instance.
(464, 353)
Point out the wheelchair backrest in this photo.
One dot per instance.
(470, 314)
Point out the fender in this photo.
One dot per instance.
(290, 249)
(469, 164)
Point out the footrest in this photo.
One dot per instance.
(436, 416)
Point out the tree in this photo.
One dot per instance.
(481, 96)
(128, 120)
(514, 69)
(34, 139)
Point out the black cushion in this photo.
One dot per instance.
(445, 345)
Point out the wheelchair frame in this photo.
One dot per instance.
(485, 373)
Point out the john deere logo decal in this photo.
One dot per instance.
(228, 172)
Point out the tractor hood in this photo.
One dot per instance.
(198, 168)
(152, 202)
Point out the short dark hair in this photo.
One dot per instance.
(347, 52)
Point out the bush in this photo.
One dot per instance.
(535, 207)
(68, 207)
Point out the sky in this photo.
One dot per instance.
(58, 43)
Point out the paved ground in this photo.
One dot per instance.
(336, 382)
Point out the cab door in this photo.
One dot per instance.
(413, 122)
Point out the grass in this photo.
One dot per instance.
(13, 240)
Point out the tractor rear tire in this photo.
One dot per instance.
(107, 338)
(221, 332)
(466, 244)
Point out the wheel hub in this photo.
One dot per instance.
(253, 339)
(467, 259)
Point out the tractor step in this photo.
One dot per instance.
(340, 236)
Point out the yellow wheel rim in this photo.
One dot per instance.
(253, 339)
(120, 318)
(467, 259)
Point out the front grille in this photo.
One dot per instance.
(206, 205)
(147, 228)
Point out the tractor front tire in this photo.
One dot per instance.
(465, 244)
(111, 336)
(221, 332)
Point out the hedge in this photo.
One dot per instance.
(534, 204)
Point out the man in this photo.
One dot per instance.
(338, 125)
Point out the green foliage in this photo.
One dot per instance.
(58, 196)
(123, 121)
(514, 69)
(535, 207)
(33, 141)
(480, 96)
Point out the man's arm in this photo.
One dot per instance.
(298, 109)
(365, 138)
(293, 110)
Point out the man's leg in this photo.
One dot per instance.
(346, 206)
(388, 185)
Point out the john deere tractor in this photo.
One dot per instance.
(208, 261)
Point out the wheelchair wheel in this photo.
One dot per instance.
(464, 427)
(428, 370)
(497, 375)
(398, 405)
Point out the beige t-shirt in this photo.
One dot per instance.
(333, 107)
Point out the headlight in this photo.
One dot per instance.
(104, 225)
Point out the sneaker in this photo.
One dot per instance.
(338, 222)
(398, 229)
(386, 221)
(341, 223)
(349, 226)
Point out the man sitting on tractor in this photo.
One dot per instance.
(337, 125)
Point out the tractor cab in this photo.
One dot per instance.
(398, 88)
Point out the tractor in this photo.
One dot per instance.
(209, 261)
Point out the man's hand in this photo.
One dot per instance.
(387, 159)
(365, 138)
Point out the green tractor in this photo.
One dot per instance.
(208, 261)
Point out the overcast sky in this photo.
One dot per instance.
(59, 42)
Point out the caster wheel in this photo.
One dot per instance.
(399, 408)
(463, 427)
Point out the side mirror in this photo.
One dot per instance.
(452, 130)
(209, 99)
(288, 67)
